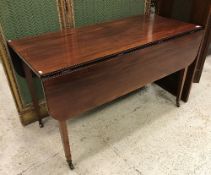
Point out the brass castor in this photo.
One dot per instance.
(70, 163)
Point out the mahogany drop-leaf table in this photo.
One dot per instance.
(85, 67)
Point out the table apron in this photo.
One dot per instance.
(101, 82)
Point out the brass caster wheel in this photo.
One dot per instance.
(71, 165)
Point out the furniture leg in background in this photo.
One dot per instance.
(203, 52)
(65, 140)
(182, 77)
(35, 101)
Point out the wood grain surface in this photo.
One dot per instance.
(54, 52)
(96, 84)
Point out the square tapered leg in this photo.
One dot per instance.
(182, 78)
(31, 86)
(65, 140)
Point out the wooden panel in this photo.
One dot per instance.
(193, 11)
(96, 84)
(200, 11)
(170, 82)
(165, 7)
(204, 47)
(62, 50)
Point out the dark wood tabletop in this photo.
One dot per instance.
(53, 52)
(83, 68)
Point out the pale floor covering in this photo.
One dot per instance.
(141, 134)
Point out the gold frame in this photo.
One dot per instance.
(66, 13)
(9, 72)
(147, 9)
(26, 113)
(67, 20)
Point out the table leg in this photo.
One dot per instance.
(65, 140)
(35, 101)
(182, 77)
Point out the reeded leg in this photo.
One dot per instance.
(65, 141)
(182, 78)
(32, 91)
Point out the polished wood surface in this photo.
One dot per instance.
(69, 48)
(198, 12)
(87, 67)
(96, 84)
(65, 141)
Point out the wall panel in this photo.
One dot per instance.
(24, 18)
(96, 11)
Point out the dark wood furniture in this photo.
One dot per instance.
(192, 11)
(83, 68)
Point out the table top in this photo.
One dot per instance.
(70, 48)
